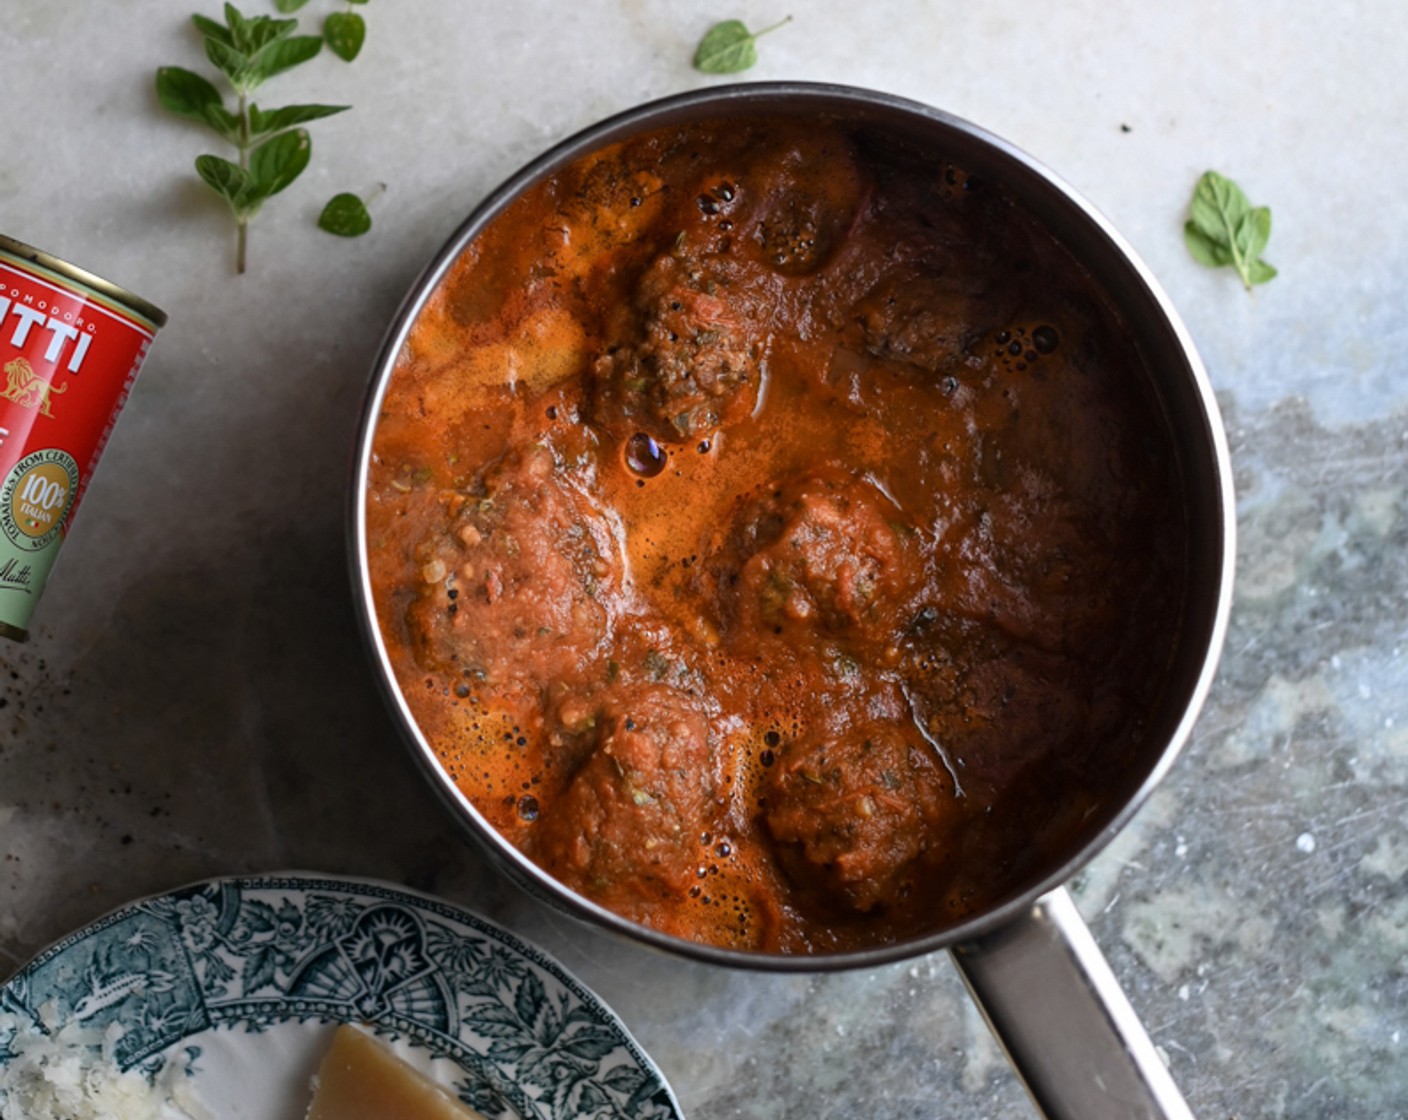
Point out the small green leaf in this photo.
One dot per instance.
(251, 35)
(345, 33)
(278, 162)
(229, 61)
(230, 181)
(185, 93)
(267, 122)
(289, 6)
(234, 20)
(212, 30)
(1205, 251)
(729, 47)
(284, 54)
(1259, 272)
(189, 95)
(256, 34)
(224, 122)
(1224, 228)
(345, 215)
(1218, 205)
(1253, 232)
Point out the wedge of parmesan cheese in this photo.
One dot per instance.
(360, 1079)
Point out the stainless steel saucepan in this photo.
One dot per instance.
(1028, 959)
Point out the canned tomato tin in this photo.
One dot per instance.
(70, 346)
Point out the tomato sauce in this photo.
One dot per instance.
(773, 533)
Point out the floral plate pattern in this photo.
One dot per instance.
(242, 958)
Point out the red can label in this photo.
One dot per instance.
(68, 356)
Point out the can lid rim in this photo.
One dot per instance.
(131, 302)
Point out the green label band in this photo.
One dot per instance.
(35, 499)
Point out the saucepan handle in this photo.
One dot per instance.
(1049, 996)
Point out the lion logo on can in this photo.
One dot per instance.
(27, 389)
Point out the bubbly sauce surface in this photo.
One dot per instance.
(773, 534)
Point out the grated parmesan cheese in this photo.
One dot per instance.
(70, 1074)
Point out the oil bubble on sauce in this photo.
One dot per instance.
(644, 456)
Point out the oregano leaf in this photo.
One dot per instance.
(185, 93)
(249, 35)
(256, 34)
(224, 122)
(229, 180)
(345, 33)
(289, 6)
(283, 54)
(277, 162)
(729, 47)
(267, 122)
(345, 215)
(1259, 272)
(1253, 232)
(229, 61)
(212, 30)
(1205, 251)
(1218, 205)
(234, 20)
(1224, 228)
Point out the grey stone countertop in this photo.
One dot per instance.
(194, 702)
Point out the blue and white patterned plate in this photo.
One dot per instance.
(243, 980)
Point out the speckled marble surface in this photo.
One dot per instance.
(193, 701)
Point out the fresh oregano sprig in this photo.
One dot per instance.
(272, 148)
(1224, 228)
